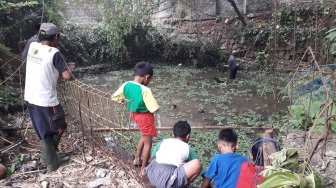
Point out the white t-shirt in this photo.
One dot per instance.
(41, 75)
(173, 151)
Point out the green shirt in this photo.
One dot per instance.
(139, 97)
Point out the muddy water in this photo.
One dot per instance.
(207, 97)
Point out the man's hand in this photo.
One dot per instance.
(67, 75)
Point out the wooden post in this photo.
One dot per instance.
(268, 147)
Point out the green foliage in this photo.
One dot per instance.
(14, 164)
(4, 49)
(84, 45)
(299, 117)
(258, 35)
(285, 172)
(11, 6)
(303, 115)
(331, 38)
(6, 98)
(191, 52)
(14, 16)
(52, 13)
(262, 59)
(121, 20)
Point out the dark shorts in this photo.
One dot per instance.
(47, 121)
(166, 176)
(145, 122)
(233, 73)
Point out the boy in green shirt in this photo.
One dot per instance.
(142, 104)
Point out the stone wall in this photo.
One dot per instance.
(325, 165)
(81, 12)
(186, 9)
(212, 21)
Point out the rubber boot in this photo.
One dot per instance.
(43, 154)
(51, 158)
(56, 139)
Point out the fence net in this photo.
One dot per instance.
(102, 123)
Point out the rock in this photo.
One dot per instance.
(58, 185)
(230, 20)
(281, 54)
(223, 46)
(101, 172)
(88, 158)
(121, 174)
(237, 46)
(331, 154)
(45, 184)
(287, 56)
(201, 111)
(251, 15)
(2, 171)
(99, 182)
(289, 47)
(16, 185)
(31, 165)
(235, 51)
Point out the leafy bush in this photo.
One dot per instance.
(13, 18)
(7, 98)
(192, 53)
(286, 172)
(331, 38)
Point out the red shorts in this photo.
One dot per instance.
(145, 122)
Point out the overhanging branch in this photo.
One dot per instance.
(240, 16)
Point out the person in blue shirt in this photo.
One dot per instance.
(224, 168)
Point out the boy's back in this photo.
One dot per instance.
(142, 104)
(173, 151)
(140, 97)
(224, 169)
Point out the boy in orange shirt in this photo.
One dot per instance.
(142, 104)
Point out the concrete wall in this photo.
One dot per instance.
(81, 12)
(187, 9)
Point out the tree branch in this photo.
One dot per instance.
(240, 16)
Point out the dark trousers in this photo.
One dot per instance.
(233, 73)
(47, 121)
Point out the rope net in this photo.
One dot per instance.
(102, 123)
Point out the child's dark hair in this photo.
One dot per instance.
(181, 129)
(257, 152)
(143, 68)
(228, 135)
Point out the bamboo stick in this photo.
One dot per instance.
(194, 127)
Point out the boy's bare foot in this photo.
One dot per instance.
(137, 162)
(142, 173)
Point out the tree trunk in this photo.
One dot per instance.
(240, 16)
